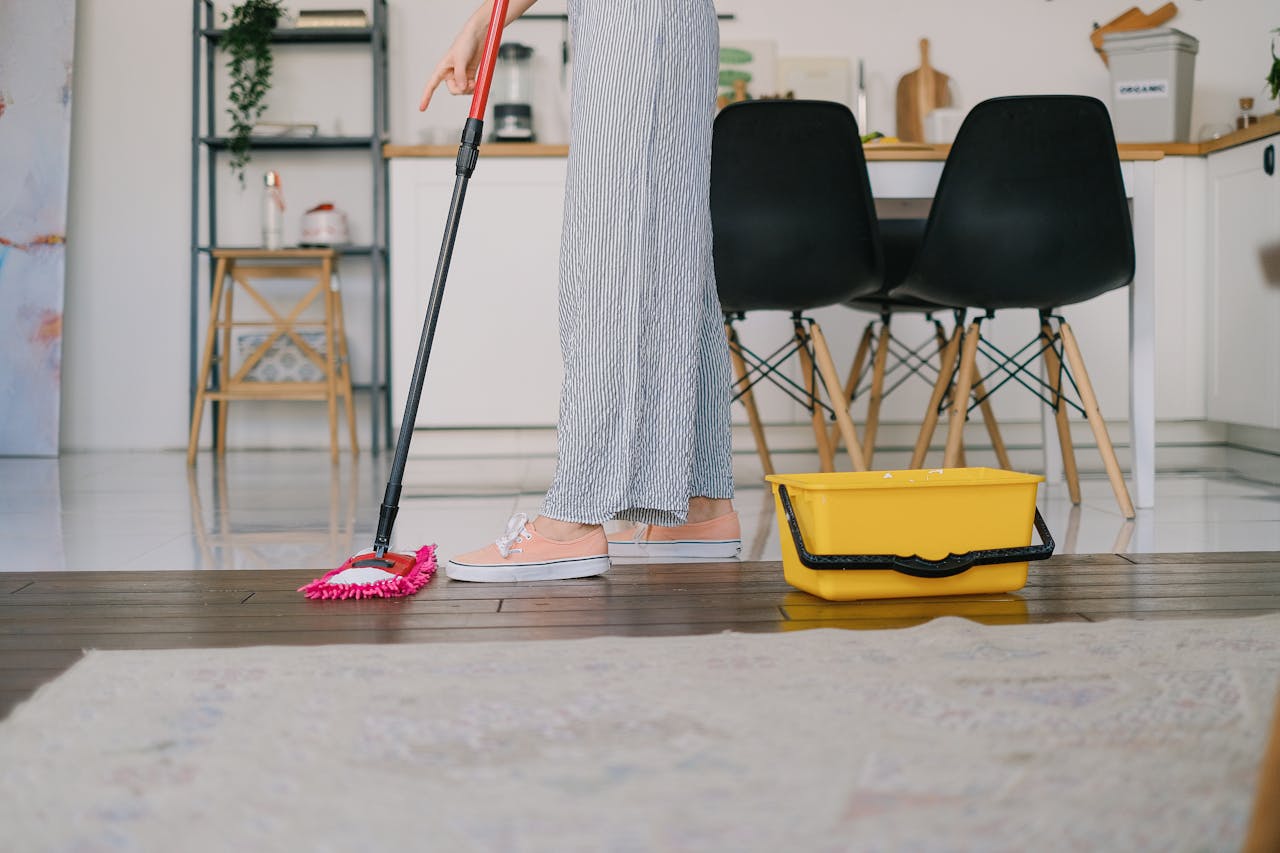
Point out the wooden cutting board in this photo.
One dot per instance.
(920, 92)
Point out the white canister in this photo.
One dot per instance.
(325, 225)
(942, 124)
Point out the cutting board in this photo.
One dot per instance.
(920, 92)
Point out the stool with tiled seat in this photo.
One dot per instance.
(223, 379)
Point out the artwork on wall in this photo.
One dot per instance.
(816, 78)
(748, 68)
(36, 46)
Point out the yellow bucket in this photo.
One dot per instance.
(899, 534)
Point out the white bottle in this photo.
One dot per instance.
(272, 212)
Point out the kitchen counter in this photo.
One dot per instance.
(1268, 125)
(875, 152)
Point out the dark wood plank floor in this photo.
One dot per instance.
(46, 619)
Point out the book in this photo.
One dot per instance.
(332, 18)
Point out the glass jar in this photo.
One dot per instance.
(1246, 116)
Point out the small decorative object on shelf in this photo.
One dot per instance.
(292, 129)
(1246, 116)
(325, 225)
(332, 18)
(248, 44)
(272, 211)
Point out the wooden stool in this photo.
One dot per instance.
(243, 267)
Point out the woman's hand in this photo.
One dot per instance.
(462, 61)
(460, 64)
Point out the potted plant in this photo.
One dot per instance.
(1273, 79)
(248, 44)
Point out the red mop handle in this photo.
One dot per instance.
(484, 76)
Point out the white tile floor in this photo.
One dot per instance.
(146, 511)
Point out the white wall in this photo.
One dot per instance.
(125, 352)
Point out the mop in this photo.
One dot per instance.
(382, 573)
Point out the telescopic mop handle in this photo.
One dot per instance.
(468, 154)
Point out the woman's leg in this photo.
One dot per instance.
(711, 478)
(644, 406)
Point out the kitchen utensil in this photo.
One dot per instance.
(920, 92)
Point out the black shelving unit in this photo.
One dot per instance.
(206, 148)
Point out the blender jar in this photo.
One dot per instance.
(512, 93)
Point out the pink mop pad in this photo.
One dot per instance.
(369, 576)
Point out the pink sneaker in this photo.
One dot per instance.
(719, 538)
(521, 554)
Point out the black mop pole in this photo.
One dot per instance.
(468, 154)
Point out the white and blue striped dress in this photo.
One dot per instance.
(644, 409)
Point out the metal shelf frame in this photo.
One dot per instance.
(206, 147)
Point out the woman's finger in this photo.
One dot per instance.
(432, 85)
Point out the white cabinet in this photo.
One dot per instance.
(496, 355)
(1244, 286)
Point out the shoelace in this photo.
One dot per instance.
(516, 532)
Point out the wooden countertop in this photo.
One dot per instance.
(874, 152)
(1268, 125)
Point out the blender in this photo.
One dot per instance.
(513, 94)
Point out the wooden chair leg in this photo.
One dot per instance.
(831, 379)
(748, 398)
(877, 393)
(940, 335)
(1053, 366)
(224, 407)
(1264, 828)
(826, 457)
(989, 420)
(206, 361)
(344, 372)
(945, 370)
(1090, 403)
(330, 361)
(959, 411)
(855, 373)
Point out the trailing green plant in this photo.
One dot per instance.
(1273, 79)
(247, 42)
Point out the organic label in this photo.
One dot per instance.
(1129, 89)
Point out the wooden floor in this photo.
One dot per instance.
(46, 619)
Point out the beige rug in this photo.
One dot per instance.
(951, 736)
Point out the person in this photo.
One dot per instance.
(644, 422)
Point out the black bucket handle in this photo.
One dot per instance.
(918, 567)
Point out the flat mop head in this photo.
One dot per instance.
(369, 576)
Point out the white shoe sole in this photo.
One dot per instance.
(702, 549)
(551, 570)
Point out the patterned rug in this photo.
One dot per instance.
(950, 736)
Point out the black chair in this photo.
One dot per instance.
(896, 361)
(1030, 212)
(795, 229)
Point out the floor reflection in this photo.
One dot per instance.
(243, 528)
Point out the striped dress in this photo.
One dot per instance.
(644, 409)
